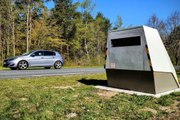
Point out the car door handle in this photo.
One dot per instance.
(42, 57)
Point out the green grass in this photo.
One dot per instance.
(71, 97)
(3, 68)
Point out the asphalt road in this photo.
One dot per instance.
(10, 74)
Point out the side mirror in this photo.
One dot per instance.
(33, 55)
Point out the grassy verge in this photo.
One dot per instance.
(3, 68)
(83, 66)
(74, 97)
(42, 68)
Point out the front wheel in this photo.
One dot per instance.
(58, 65)
(22, 65)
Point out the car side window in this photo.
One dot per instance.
(38, 53)
(49, 53)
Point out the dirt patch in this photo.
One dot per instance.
(171, 108)
(170, 116)
(173, 112)
(71, 115)
(149, 109)
(23, 99)
(105, 94)
(63, 87)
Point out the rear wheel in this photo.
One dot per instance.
(58, 65)
(13, 68)
(23, 65)
(47, 67)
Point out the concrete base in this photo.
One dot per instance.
(135, 92)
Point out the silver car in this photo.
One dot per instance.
(38, 58)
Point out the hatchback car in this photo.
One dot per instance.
(38, 58)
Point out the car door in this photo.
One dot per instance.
(36, 58)
(49, 58)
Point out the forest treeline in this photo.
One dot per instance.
(69, 28)
(27, 25)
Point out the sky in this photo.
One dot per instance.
(133, 12)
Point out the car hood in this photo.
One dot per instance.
(13, 58)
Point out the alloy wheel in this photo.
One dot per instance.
(58, 65)
(23, 65)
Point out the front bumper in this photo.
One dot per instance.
(8, 64)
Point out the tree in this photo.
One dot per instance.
(87, 7)
(1, 44)
(118, 23)
(45, 35)
(173, 21)
(28, 7)
(13, 16)
(24, 5)
(28, 25)
(174, 44)
(63, 16)
(102, 25)
(105, 25)
(5, 28)
(76, 43)
(158, 24)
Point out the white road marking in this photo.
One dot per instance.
(57, 74)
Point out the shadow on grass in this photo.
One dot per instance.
(93, 82)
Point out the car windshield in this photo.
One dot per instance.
(25, 54)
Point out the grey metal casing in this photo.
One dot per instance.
(140, 67)
(129, 57)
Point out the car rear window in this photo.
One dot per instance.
(49, 53)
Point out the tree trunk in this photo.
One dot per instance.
(13, 38)
(30, 28)
(39, 43)
(7, 45)
(4, 48)
(175, 54)
(27, 29)
(13, 31)
(176, 60)
(85, 42)
(98, 49)
(67, 47)
(61, 48)
(8, 33)
(1, 51)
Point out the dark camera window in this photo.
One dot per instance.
(130, 41)
(49, 53)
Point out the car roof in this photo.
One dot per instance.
(45, 50)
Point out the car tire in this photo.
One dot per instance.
(23, 65)
(47, 67)
(58, 65)
(13, 68)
